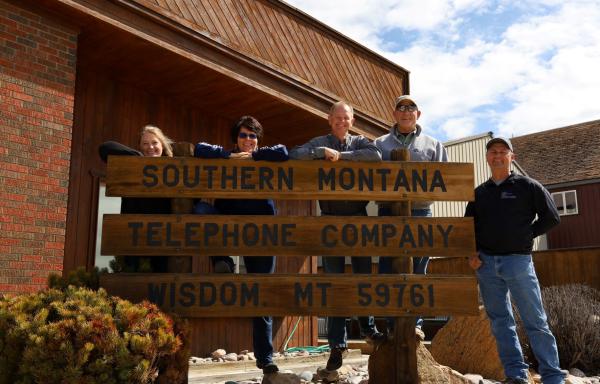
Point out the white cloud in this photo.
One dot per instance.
(539, 73)
(459, 127)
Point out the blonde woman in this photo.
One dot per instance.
(153, 143)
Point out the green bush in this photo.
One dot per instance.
(574, 318)
(77, 278)
(81, 336)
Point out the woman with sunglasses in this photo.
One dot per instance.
(245, 135)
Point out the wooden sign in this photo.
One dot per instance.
(193, 295)
(291, 180)
(214, 235)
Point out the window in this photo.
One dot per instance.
(106, 204)
(566, 202)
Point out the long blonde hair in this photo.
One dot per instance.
(167, 143)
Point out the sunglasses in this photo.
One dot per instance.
(244, 135)
(406, 108)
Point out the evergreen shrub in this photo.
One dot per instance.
(77, 335)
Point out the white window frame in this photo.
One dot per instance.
(563, 195)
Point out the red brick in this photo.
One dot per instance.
(38, 57)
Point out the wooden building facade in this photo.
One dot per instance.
(191, 67)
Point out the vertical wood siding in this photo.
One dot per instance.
(582, 229)
(280, 36)
(107, 109)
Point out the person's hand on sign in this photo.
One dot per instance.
(241, 155)
(331, 154)
(475, 262)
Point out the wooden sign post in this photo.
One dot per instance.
(195, 295)
(404, 328)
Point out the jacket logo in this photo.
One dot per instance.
(507, 195)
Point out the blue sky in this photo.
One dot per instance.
(508, 67)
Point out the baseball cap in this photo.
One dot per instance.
(502, 140)
(405, 97)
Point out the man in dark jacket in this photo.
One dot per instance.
(505, 210)
(341, 145)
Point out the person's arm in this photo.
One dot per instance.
(275, 153)
(470, 210)
(547, 214)
(312, 150)
(210, 151)
(117, 149)
(365, 150)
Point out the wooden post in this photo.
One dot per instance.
(404, 328)
(182, 264)
(395, 361)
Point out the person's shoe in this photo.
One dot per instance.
(327, 376)
(420, 334)
(222, 266)
(269, 368)
(512, 380)
(335, 359)
(375, 338)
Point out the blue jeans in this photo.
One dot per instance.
(336, 326)
(419, 263)
(262, 327)
(498, 276)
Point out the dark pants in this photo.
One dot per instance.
(262, 327)
(419, 263)
(336, 326)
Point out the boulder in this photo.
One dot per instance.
(281, 378)
(466, 344)
(217, 354)
(230, 357)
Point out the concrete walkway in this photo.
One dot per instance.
(245, 370)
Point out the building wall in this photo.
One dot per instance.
(37, 84)
(582, 229)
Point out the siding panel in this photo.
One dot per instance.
(298, 45)
(582, 229)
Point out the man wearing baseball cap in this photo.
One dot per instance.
(505, 210)
(406, 133)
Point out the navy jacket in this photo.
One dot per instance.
(243, 206)
(505, 215)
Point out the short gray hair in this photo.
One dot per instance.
(338, 104)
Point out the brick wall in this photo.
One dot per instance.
(37, 83)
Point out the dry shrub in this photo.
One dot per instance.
(574, 318)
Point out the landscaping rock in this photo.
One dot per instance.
(219, 353)
(466, 344)
(231, 357)
(281, 378)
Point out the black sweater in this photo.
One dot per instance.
(505, 215)
(145, 205)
